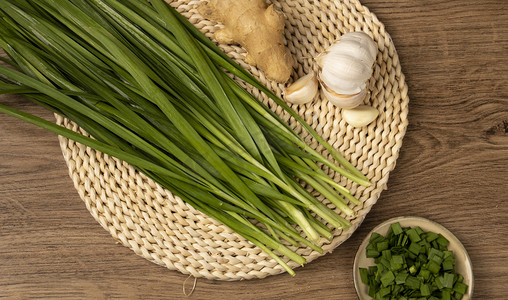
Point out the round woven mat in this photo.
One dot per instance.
(163, 229)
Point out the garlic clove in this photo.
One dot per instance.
(343, 100)
(356, 44)
(355, 49)
(363, 39)
(360, 116)
(343, 66)
(339, 85)
(302, 90)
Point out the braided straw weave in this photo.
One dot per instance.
(163, 229)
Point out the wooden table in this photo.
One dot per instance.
(453, 168)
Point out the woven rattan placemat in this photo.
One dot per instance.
(163, 229)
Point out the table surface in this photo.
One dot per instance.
(452, 168)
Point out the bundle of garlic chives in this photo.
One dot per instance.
(153, 91)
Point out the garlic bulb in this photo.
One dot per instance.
(345, 68)
(360, 116)
(302, 90)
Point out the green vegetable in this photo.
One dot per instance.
(396, 228)
(387, 278)
(153, 91)
(412, 264)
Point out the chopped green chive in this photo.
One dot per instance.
(413, 235)
(387, 278)
(460, 288)
(448, 280)
(364, 274)
(412, 282)
(396, 228)
(411, 264)
(425, 290)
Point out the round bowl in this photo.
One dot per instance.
(463, 263)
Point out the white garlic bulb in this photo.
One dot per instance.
(302, 90)
(345, 68)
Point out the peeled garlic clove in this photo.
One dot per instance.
(360, 116)
(302, 90)
(343, 100)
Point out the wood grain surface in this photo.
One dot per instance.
(453, 169)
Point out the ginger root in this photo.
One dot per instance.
(258, 29)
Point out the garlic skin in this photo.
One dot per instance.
(345, 67)
(360, 116)
(302, 90)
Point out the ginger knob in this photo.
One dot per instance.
(258, 29)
